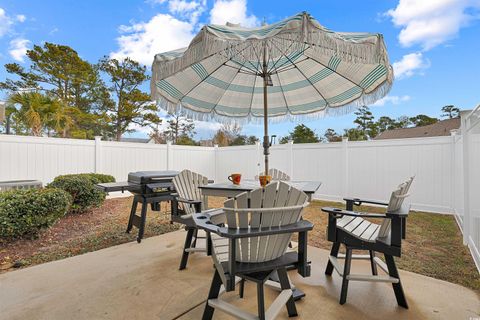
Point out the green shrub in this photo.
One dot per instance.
(82, 189)
(25, 212)
(93, 177)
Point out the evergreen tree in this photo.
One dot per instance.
(450, 112)
(179, 127)
(355, 134)
(301, 134)
(385, 123)
(422, 120)
(332, 136)
(131, 105)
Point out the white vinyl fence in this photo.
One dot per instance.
(446, 169)
(468, 213)
(369, 169)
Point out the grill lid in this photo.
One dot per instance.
(144, 177)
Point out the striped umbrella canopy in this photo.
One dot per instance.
(289, 69)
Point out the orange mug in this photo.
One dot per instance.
(235, 178)
(264, 180)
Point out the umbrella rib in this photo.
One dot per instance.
(273, 67)
(226, 89)
(209, 75)
(253, 94)
(283, 93)
(296, 67)
(201, 81)
(209, 56)
(241, 71)
(334, 71)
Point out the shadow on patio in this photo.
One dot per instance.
(133, 281)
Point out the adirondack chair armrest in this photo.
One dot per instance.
(350, 202)
(402, 212)
(196, 203)
(339, 213)
(202, 221)
(300, 226)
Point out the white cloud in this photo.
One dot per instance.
(141, 41)
(431, 22)
(391, 100)
(409, 65)
(234, 11)
(5, 22)
(18, 49)
(187, 9)
(21, 17)
(207, 126)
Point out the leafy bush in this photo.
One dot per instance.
(25, 212)
(82, 189)
(93, 177)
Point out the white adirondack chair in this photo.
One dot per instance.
(190, 200)
(254, 244)
(277, 175)
(351, 229)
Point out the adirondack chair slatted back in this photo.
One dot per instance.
(187, 186)
(395, 203)
(278, 175)
(283, 204)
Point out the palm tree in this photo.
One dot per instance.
(39, 112)
(32, 109)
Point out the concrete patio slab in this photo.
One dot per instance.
(141, 281)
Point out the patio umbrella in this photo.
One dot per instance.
(289, 69)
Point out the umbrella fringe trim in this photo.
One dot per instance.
(206, 44)
(366, 99)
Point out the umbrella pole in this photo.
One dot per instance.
(266, 142)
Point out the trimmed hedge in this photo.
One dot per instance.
(82, 189)
(26, 212)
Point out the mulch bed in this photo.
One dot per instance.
(79, 233)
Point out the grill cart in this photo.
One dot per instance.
(148, 187)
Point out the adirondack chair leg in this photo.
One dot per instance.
(212, 294)
(132, 214)
(209, 244)
(188, 243)
(260, 301)
(346, 272)
(285, 284)
(333, 252)
(143, 220)
(195, 236)
(242, 288)
(397, 287)
(372, 263)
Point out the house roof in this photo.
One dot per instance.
(441, 128)
(137, 140)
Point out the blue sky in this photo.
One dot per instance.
(433, 44)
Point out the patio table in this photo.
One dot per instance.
(230, 190)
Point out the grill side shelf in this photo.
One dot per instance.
(117, 186)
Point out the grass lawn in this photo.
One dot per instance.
(433, 246)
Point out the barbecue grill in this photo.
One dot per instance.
(148, 187)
